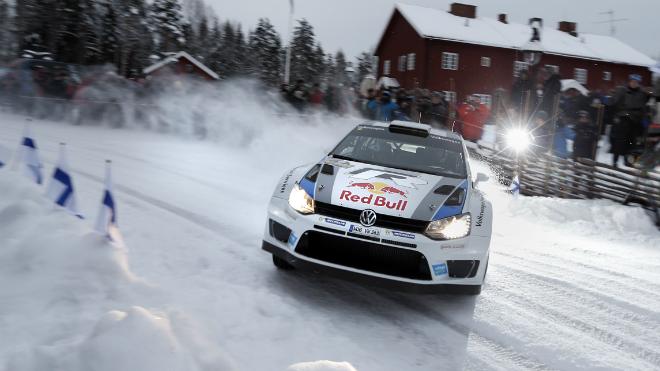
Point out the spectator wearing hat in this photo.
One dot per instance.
(472, 117)
(630, 107)
(586, 136)
(551, 90)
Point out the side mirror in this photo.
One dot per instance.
(481, 177)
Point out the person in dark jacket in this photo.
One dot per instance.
(551, 91)
(439, 110)
(521, 92)
(586, 136)
(630, 108)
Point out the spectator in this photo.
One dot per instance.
(386, 109)
(521, 92)
(560, 138)
(316, 96)
(439, 110)
(541, 131)
(586, 136)
(370, 102)
(551, 90)
(630, 106)
(298, 95)
(472, 117)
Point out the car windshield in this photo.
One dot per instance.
(432, 154)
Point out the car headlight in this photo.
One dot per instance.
(300, 201)
(450, 228)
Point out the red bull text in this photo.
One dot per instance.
(373, 200)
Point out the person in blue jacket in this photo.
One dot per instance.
(387, 108)
(562, 134)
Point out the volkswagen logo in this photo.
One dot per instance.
(368, 218)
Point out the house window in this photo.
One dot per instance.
(402, 63)
(486, 99)
(519, 66)
(411, 61)
(386, 67)
(485, 61)
(607, 76)
(449, 61)
(580, 74)
(553, 68)
(450, 96)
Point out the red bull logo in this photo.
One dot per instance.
(379, 188)
(373, 200)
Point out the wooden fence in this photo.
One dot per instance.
(550, 176)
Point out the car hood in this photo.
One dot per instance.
(386, 190)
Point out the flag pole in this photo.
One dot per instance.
(287, 62)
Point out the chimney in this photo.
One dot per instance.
(463, 10)
(502, 18)
(568, 27)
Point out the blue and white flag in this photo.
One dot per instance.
(106, 222)
(32, 166)
(514, 188)
(60, 189)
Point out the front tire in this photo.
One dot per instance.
(281, 263)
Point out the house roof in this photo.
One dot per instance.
(175, 57)
(438, 24)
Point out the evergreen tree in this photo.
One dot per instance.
(265, 49)
(241, 58)
(365, 65)
(35, 23)
(214, 59)
(168, 25)
(303, 54)
(340, 68)
(6, 40)
(135, 43)
(109, 35)
(202, 40)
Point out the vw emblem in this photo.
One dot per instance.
(368, 218)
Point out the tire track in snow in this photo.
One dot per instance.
(605, 336)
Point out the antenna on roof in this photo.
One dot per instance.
(612, 21)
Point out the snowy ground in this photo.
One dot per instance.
(571, 284)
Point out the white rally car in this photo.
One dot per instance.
(392, 203)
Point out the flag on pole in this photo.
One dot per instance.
(514, 188)
(30, 157)
(106, 222)
(60, 189)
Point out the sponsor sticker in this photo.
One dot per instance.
(449, 247)
(403, 235)
(340, 223)
(381, 201)
(358, 229)
(292, 239)
(440, 269)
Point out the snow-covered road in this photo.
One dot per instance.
(571, 284)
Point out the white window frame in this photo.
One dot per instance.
(402, 63)
(450, 96)
(387, 67)
(519, 66)
(449, 61)
(485, 61)
(607, 76)
(486, 99)
(555, 68)
(410, 61)
(581, 75)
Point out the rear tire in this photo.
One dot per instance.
(281, 263)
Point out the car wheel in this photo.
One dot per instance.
(281, 263)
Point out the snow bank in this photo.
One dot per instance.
(322, 366)
(60, 287)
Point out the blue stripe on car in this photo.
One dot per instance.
(447, 211)
(308, 186)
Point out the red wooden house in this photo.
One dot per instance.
(181, 63)
(461, 54)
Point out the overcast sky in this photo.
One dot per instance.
(356, 25)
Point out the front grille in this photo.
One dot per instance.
(278, 231)
(364, 255)
(462, 268)
(384, 221)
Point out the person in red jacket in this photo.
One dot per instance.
(472, 115)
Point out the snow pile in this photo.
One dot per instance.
(57, 278)
(322, 366)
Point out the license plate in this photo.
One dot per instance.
(371, 232)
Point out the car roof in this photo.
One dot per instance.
(415, 125)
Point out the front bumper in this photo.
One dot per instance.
(403, 260)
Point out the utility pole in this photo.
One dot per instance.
(287, 62)
(612, 21)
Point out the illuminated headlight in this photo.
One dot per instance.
(449, 228)
(300, 201)
(519, 139)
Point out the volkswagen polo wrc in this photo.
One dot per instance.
(393, 204)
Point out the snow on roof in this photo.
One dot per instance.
(439, 24)
(175, 57)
